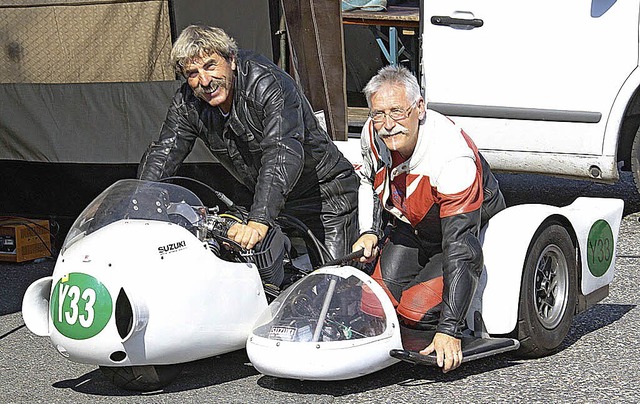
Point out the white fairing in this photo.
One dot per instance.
(190, 296)
(138, 283)
(35, 306)
(335, 324)
(506, 239)
(138, 292)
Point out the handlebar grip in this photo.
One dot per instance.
(349, 257)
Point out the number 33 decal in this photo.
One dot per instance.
(88, 300)
(81, 306)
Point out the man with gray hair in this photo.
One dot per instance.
(424, 170)
(259, 125)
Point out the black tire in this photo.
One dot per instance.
(142, 378)
(548, 292)
(635, 159)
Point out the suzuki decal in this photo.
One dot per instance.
(173, 247)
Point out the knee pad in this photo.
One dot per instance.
(419, 300)
(370, 304)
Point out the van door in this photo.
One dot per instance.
(529, 77)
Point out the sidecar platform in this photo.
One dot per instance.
(413, 341)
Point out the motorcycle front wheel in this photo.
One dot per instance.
(142, 378)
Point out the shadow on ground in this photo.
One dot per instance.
(195, 375)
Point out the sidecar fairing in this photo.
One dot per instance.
(335, 323)
(135, 284)
(543, 264)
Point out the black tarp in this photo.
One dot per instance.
(90, 123)
(248, 21)
(63, 144)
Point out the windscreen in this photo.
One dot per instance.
(137, 199)
(321, 308)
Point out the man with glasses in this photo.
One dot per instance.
(426, 172)
(260, 127)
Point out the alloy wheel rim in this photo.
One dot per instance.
(551, 286)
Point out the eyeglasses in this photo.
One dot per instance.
(397, 114)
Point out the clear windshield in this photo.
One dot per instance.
(321, 308)
(137, 199)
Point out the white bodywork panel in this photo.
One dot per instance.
(506, 239)
(187, 304)
(341, 357)
(276, 347)
(181, 302)
(35, 307)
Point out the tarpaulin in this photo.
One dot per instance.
(85, 123)
(49, 41)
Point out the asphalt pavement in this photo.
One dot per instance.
(598, 361)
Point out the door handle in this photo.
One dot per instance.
(457, 22)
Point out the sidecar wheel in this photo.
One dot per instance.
(142, 378)
(548, 293)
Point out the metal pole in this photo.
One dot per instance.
(325, 309)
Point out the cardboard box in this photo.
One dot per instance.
(31, 240)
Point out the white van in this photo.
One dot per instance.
(541, 86)
(545, 86)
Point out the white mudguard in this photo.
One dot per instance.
(506, 239)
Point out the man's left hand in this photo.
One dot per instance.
(448, 351)
(248, 235)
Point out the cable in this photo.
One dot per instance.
(221, 196)
(324, 254)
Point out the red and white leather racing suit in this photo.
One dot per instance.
(438, 198)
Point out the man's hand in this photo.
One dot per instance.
(448, 351)
(247, 235)
(368, 242)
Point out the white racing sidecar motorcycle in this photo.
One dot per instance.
(146, 281)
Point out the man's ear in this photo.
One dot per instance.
(421, 108)
(233, 63)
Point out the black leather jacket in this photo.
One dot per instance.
(463, 257)
(271, 142)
